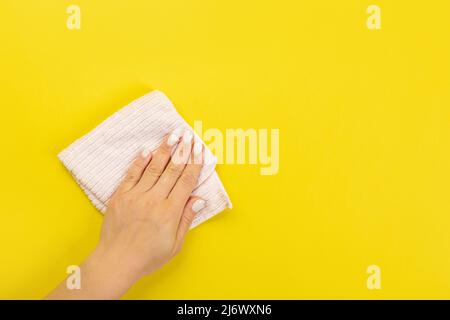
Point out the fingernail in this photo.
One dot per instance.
(198, 147)
(198, 205)
(145, 153)
(187, 137)
(173, 138)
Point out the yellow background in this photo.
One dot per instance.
(364, 140)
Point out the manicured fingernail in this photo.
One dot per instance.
(187, 137)
(198, 147)
(198, 205)
(145, 153)
(173, 138)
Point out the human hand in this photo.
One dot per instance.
(152, 210)
(146, 220)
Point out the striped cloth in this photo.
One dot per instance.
(99, 160)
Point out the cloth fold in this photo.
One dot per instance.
(98, 161)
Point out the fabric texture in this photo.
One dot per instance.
(99, 160)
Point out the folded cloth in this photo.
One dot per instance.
(99, 160)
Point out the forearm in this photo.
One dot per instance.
(102, 277)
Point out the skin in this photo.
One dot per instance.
(146, 221)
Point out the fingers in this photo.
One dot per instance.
(158, 163)
(193, 206)
(135, 171)
(175, 167)
(188, 180)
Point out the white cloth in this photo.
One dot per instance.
(99, 160)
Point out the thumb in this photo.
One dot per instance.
(193, 206)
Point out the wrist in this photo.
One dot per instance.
(104, 275)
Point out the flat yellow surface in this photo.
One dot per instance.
(364, 119)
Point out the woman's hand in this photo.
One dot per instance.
(146, 220)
